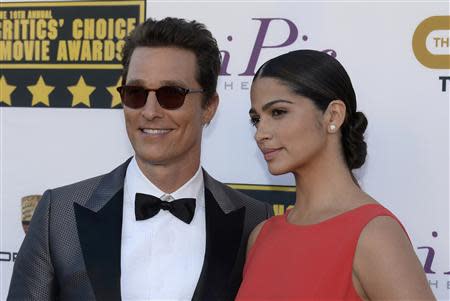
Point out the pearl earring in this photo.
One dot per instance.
(332, 127)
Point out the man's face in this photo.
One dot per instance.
(160, 136)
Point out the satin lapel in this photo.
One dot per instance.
(223, 241)
(100, 239)
(99, 225)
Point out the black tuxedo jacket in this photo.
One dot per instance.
(72, 249)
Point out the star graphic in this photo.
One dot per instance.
(81, 93)
(40, 92)
(5, 91)
(115, 94)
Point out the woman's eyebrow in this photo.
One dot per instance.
(269, 104)
(273, 102)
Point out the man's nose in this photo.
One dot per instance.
(152, 109)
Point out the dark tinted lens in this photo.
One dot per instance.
(171, 97)
(134, 97)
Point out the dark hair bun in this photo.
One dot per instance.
(321, 78)
(355, 148)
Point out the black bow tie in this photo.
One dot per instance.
(147, 206)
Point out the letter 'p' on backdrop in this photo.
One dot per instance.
(61, 119)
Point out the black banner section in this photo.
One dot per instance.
(64, 54)
(280, 197)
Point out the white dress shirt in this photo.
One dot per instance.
(161, 257)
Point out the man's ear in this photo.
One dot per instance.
(210, 110)
(335, 115)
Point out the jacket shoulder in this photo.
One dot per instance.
(246, 199)
(80, 192)
(238, 199)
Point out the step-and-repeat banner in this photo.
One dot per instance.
(61, 119)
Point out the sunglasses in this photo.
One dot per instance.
(168, 97)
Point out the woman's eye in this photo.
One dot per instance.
(278, 112)
(254, 120)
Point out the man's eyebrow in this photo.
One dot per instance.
(140, 82)
(273, 102)
(137, 82)
(173, 83)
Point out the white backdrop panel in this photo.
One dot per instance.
(407, 168)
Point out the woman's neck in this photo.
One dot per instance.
(325, 188)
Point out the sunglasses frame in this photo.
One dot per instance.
(183, 93)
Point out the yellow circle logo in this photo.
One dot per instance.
(419, 42)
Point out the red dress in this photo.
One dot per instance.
(306, 262)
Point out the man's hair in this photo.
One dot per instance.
(174, 32)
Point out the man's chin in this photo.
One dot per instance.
(152, 159)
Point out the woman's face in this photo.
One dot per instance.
(289, 127)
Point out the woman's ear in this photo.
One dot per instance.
(335, 115)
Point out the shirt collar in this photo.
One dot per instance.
(137, 182)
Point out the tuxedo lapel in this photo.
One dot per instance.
(100, 239)
(223, 245)
(99, 225)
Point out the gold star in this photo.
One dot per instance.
(5, 91)
(81, 93)
(40, 92)
(115, 94)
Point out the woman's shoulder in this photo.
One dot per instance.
(378, 226)
(383, 228)
(384, 255)
(257, 231)
(368, 212)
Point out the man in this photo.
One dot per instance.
(111, 237)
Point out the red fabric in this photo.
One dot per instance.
(306, 262)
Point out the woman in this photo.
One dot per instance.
(337, 242)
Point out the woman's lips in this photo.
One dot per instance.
(270, 153)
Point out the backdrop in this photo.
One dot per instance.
(61, 120)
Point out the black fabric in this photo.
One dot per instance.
(72, 249)
(100, 236)
(147, 206)
(224, 237)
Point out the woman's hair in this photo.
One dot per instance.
(321, 78)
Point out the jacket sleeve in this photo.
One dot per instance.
(33, 275)
(269, 210)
